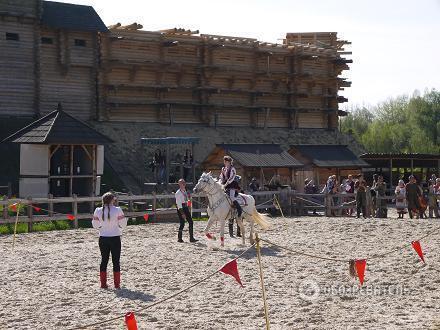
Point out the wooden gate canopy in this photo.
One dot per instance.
(395, 166)
(263, 161)
(59, 155)
(321, 161)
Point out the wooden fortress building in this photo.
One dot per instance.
(63, 53)
(57, 52)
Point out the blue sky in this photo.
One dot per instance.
(395, 44)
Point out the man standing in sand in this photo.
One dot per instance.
(182, 199)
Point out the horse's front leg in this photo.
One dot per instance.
(222, 231)
(208, 227)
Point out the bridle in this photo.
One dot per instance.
(211, 193)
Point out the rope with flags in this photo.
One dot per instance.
(230, 268)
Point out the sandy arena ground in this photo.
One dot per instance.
(51, 279)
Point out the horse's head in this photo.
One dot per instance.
(205, 181)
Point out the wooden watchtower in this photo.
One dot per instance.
(59, 155)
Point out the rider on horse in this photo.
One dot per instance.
(227, 179)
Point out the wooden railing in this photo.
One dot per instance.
(291, 202)
(134, 206)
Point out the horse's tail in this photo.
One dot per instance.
(261, 219)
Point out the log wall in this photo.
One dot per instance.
(171, 77)
(175, 77)
(17, 66)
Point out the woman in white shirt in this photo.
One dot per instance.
(109, 220)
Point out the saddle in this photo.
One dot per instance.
(239, 198)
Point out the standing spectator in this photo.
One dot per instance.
(437, 191)
(110, 221)
(157, 161)
(401, 199)
(330, 189)
(412, 196)
(254, 186)
(187, 164)
(275, 182)
(361, 198)
(432, 197)
(310, 188)
(374, 195)
(381, 204)
(182, 198)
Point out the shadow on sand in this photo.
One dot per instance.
(134, 295)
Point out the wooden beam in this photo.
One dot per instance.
(266, 117)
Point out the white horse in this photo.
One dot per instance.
(220, 208)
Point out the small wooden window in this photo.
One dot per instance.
(80, 42)
(12, 36)
(47, 40)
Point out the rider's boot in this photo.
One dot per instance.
(231, 228)
(238, 207)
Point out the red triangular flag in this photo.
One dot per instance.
(130, 321)
(418, 248)
(146, 215)
(36, 208)
(13, 207)
(360, 269)
(70, 217)
(231, 269)
(189, 204)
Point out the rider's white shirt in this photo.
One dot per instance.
(181, 198)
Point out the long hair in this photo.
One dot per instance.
(107, 198)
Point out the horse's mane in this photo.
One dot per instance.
(217, 183)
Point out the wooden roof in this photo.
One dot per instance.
(68, 16)
(330, 155)
(58, 127)
(403, 160)
(260, 155)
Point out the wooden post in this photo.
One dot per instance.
(5, 209)
(266, 311)
(438, 168)
(71, 171)
(154, 206)
(391, 173)
(50, 205)
(328, 210)
(75, 211)
(193, 164)
(30, 214)
(266, 118)
(290, 202)
(167, 166)
(130, 202)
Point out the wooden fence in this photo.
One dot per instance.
(156, 205)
